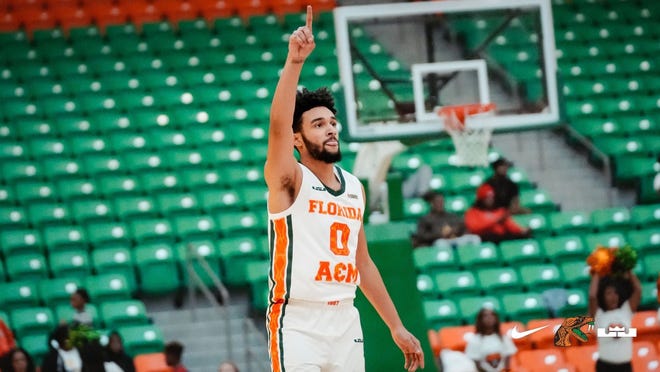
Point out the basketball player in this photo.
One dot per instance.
(317, 239)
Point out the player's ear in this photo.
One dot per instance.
(297, 140)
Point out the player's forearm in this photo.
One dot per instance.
(371, 284)
(284, 99)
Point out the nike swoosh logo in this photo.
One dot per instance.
(515, 334)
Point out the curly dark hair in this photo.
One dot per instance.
(306, 100)
(622, 287)
(481, 327)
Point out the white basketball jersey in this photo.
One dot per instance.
(314, 241)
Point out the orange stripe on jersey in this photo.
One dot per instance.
(279, 259)
(280, 271)
(274, 339)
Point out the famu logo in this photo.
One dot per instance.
(570, 327)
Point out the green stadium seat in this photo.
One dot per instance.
(29, 191)
(106, 233)
(199, 178)
(44, 213)
(414, 208)
(515, 252)
(129, 208)
(177, 203)
(241, 174)
(452, 284)
(115, 260)
(257, 276)
(36, 345)
(88, 144)
(20, 241)
(577, 303)
(151, 230)
(108, 287)
(645, 215)
(498, 281)
(123, 313)
(7, 194)
(523, 307)
(540, 277)
(55, 292)
(65, 313)
(434, 259)
(19, 294)
(122, 142)
(537, 223)
(236, 253)
(564, 248)
(606, 239)
(103, 164)
(645, 241)
(537, 200)
(26, 266)
(240, 223)
(214, 200)
(73, 264)
(426, 286)
(472, 257)
(142, 339)
(91, 210)
(469, 307)
(649, 298)
(254, 197)
(611, 219)
(76, 188)
(651, 261)
(32, 321)
(195, 226)
(11, 216)
(206, 250)
(20, 170)
(11, 150)
(160, 181)
(113, 185)
(441, 313)
(157, 269)
(576, 273)
(566, 222)
(144, 162)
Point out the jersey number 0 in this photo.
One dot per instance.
(339, 233)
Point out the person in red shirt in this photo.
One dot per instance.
(492, 224)
(173, 352)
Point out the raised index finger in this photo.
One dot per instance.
(310, 17)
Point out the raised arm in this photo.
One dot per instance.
(636, 294)
(280, 171)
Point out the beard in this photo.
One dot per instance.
(319, 152)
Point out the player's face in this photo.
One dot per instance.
(319, 134)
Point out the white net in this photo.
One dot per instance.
(471, 141)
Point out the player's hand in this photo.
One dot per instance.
(301, 41)
(412, 349)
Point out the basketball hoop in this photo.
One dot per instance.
(471, 142)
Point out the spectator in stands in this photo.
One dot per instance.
(441, 227)
(62, 356)
(228, 367)
(507, 193)
(79, 301)
(488, 348)
(173, 354)
(492, 224)
(7, 340)
(612, 302)
(18, 360)
(114, 353)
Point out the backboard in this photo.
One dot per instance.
(400, 62)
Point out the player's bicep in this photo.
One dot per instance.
(281, 166)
